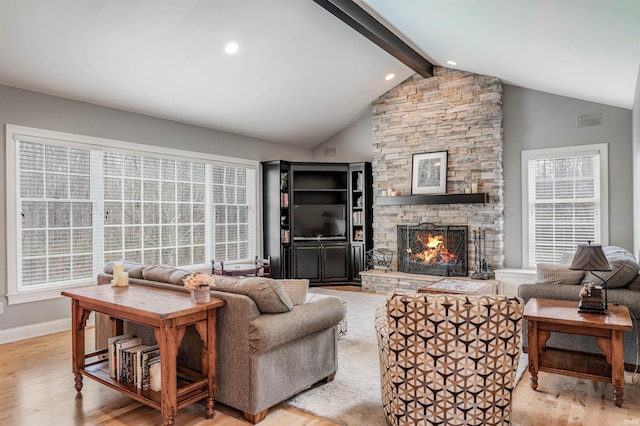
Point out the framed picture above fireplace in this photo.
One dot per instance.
(429, 173)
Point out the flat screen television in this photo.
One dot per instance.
(319, 222)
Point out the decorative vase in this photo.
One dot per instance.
(201, 294)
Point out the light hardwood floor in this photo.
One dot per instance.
(36, 388)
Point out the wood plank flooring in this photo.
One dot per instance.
(36, 388)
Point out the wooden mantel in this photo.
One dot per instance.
(433, 199)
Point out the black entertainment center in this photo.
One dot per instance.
(317, 219)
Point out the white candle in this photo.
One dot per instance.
(118, 268)
(474, 187)
(114, 282)
(123, 279)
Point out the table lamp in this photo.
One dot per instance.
(590, 258)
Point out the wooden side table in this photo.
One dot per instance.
(544, 316)
(169, 313)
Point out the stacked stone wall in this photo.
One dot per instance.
(453, 111)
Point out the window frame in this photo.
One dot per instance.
(16, 133)
(600, 149)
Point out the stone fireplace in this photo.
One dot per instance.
(433, 249)
(453, 111)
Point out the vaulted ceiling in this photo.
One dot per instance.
(301, 75)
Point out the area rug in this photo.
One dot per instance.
(353, 398)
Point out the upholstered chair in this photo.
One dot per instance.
(448, 359)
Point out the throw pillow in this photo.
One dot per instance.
(267, 293)
(296, 290)
(134, 269)
(624, 268)
(165, 274)
(557, 274)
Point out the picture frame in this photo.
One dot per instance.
(429, 173)
(359, 235)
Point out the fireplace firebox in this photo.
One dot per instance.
(432, 249)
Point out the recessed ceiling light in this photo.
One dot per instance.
(232, 47)
(389, 76)
(454, 63)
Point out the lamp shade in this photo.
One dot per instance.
(590, 257)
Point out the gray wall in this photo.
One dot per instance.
(534, 120)
(352, 144)
(636, 168)
(32, 109)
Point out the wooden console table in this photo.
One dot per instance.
(544, 316)
(169, 313)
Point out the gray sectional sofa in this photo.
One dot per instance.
(623, 283)
(263, 358)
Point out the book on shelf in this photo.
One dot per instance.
(120, 347)
(357, 218)
(284, 236)
(284, 199)
(150, 353)
(111, 352)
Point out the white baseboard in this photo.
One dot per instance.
(35, 330)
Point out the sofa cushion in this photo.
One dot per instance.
(296, 289)
(165, 274)
(134, 269)
(267, 293)
(624, 268)
(557, 274)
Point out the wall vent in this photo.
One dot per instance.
(590, 120)
(330, 152)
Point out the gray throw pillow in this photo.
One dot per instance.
(624, 268)
(296, 289)
(268, 294)
(165, 274)
(134, 269)
(557, 274)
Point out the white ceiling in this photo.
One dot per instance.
(301, 74)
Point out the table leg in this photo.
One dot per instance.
(79, 318)
(166, 337)
(532, 341)
(210, 354)
(617, 366)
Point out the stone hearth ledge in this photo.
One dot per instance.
(379, 281)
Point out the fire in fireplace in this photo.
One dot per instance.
(433, 249)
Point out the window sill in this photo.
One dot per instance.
(39, 295)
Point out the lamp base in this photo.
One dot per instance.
(587, 309)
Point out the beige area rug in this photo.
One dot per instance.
(353, 398)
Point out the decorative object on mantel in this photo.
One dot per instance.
(379, 257)
(429, 173)
(199, 284)
(480, 264)
(591, 257)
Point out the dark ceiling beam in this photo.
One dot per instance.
(361, 21)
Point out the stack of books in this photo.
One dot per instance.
(130, 360)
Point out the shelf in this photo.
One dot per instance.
(433, 199)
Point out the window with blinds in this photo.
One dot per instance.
(565, 195)
(78, 205)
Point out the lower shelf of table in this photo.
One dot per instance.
(190, 390)
(576, 364)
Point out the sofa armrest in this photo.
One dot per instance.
(271, 330)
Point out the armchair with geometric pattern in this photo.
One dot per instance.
(448, 359)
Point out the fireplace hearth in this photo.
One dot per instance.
(432, 249)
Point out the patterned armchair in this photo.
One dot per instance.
(448, 359)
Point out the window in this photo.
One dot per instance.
(565, 201)
(75, 203)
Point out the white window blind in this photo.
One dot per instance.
(75, 203)
(235, 215)
(565, 196)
